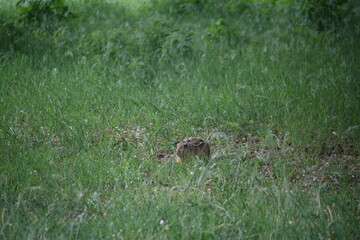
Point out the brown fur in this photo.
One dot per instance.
(191, 147)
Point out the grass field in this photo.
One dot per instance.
(91, 108)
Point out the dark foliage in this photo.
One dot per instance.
(43, 11)
(327, 14)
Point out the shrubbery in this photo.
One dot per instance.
(328, 14)
(160, 35)
(43, 11)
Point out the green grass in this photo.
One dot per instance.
(91, 107)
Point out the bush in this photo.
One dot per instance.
(325, 14)
(43, 11)
(10, 35)
(181, 7)
(178, 44)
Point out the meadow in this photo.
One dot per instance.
(94, 98)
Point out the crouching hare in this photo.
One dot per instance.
(191, 147)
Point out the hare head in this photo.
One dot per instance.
(191, 147)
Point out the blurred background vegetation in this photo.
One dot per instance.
(168, 23)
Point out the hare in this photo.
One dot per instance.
(191, 147)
